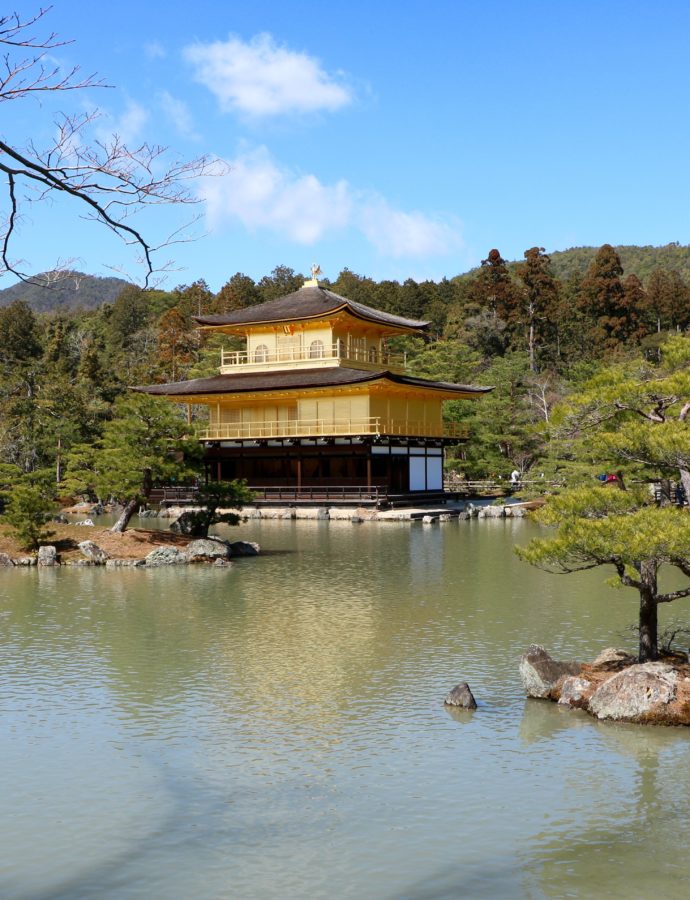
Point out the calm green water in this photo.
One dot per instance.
(277, 730)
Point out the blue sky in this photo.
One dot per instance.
(399, 139)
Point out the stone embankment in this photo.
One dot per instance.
(425, 515)
(614, 686)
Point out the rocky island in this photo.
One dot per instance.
(69, 546)
(615, 686)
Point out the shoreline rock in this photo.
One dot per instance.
(541, 675)
(131, 549)
(614, 687)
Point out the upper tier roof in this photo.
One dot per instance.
(295, 379)
(308, 303)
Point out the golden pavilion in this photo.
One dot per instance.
(316, 407)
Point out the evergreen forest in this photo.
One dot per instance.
(543, 332)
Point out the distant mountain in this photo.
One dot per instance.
(640, 261)
(64, 290)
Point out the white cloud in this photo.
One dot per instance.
(261, 78)
(402, 234)
(260, 194)
(178, 113)
(127, 126)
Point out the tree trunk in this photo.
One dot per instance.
(532, 364)
(648, 649)
(131, 505)
(685, 481)
(125, 516)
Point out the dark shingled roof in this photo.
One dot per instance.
(298, 378)
(307, 303)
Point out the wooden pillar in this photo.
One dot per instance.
(299, 473)
(369, 472)
(218, 470)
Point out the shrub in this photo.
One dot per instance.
(28, 510)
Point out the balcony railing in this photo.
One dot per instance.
(326, 355)
(305, 428)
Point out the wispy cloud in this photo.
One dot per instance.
(128, 126)
(402, 234)
(179, 114)
(260, 78)
(155, 50)
(260, 194)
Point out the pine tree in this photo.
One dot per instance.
(602, 300)
(538, 304)
(238, 292)
(621, 529)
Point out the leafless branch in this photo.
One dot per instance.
(108, 179)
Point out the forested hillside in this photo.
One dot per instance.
(63, 290)
(640, 261)
(76, 290)
(534, 335)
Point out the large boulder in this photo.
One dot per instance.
(86, 509)
(461, 696)
(6, 560)
(613, 659)
(575, 691)
(166, 556)
(244, 548)
(639, 693)
(47, 556)
(492, 512)
(170, 512)
(540, 674)
(187, 523)
(93, 552)
(207, 549)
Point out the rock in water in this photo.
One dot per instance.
(244, 548)
(540, 673)
(93, 552)
(207, 548)
(47, 556)
(166, 556)
(638, 693)
(124, 563)
(461, 696)
(6, 560)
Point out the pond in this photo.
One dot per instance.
(277, 729)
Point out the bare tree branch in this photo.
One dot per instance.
(108, 179)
